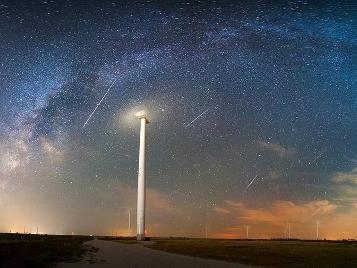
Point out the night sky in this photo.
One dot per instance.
(252, 108)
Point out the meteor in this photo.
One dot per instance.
(98, 104)
(251, 182)
(317, 157)
(189, 124)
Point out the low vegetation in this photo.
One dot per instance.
(267, 253)
(29, 250)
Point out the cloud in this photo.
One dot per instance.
(221, 210)
(234, 204)
(156, 201)
(282, 210)
(160, 211)
(271, 221)
(344, 186)
(349, 177)
(276, 148)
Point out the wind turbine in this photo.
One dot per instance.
(129, 223)
(289, 230)
(140, 235)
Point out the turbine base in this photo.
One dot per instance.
(140, 237)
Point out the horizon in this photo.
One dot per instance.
(133, 237)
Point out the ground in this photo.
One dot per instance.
(267, 253)
(26, 250)
(128, 254)
(18, 250)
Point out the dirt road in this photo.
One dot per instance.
(114, 254)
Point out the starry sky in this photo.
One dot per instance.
(252, 109)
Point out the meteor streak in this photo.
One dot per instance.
(251, 182)
(98, 104)
(317, 157)
(189, 124)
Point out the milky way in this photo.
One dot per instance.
(269, 89)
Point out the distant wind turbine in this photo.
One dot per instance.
(288, 230)
(129, 223)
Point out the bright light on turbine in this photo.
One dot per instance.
(141, 114)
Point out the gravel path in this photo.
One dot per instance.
(114, 254)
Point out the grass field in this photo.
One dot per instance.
(265, 252)
(18, 250)
(29, 250)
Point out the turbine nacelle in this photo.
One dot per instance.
(142, 114)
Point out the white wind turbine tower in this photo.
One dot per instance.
(317, 230)
(129, 223)
(141, 178)
(289, 230)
